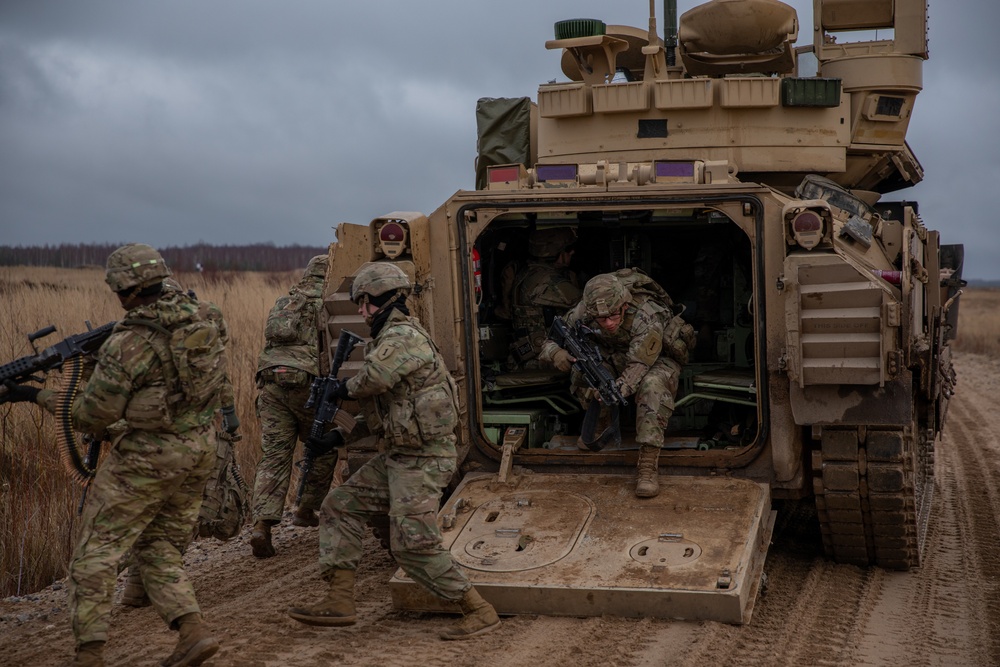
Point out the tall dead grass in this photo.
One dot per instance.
(979, 322)
(38, 497)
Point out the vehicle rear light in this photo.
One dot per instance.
(506, 177)
(674, 172)
(556, 173)
(807, 228)
(392, 239)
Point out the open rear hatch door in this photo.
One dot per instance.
(584, 545)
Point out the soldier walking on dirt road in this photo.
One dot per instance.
(409, 401)
(162, 371)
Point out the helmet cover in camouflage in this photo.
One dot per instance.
(316, 268)
(546, 243)
(378, 278)
(604, 295)
(135, 265)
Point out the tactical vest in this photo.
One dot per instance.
(422, 406)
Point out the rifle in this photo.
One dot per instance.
(322, 398)
(51, 358)
(588, 359)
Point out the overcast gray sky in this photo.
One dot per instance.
(245, 121)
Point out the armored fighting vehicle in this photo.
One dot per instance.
(748, 176)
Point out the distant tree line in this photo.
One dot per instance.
(200, 257)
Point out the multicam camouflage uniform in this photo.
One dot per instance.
(640, 352)
(410, 403)
(147, 492)
(406, 391)
(543, 289)
(636, 355)
(285, 372)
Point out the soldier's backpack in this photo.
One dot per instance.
(290, 317)
(195, 352)
(679, 337)
(225, 502)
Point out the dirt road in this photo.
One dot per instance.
(813, 612)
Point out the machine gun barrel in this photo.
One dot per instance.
(53, 357)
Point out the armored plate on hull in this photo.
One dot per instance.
(584, 545)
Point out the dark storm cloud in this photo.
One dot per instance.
(254, 120)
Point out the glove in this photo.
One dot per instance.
(18, 393)
(230, 421)
(341, 391)
(317, 446)
(563, 360)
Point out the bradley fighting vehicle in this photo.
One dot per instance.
(748, 176)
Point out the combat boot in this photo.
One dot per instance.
(89, 654)
(305, 518)
(338, 607)
(478, 617)
(135, 594)
(647, 482)
(260, 540)
(194, 646)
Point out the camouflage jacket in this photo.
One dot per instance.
(304, 353)
(540, 289)
(633, 348)
(406, 393)
(129, 380)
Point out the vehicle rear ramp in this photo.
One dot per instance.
(584, 545)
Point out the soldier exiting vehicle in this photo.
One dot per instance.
(161, 371)
(409, 401)
(644, 344)
(287, 367)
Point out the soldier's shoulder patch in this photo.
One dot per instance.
(384, 352)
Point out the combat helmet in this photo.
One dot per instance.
(604, 295)
(378, 278)
(316, 268)
(548, 243)
(135, 265)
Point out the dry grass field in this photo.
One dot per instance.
(38, 497)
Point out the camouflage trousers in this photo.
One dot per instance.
(284, 420)
(654, 399)
(407, 488)
(146, 497)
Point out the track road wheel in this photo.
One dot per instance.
(873, 490)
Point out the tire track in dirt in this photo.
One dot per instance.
(944, 613)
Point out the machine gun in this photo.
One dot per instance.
(323, 398)
(588, 359)
(66, 355)
(52, 358)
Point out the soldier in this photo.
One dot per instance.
(640, 341)
(544, 288)
(285, 371)
(161, 370)
(211, 520)
(409, 401)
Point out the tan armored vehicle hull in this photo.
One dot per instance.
(751, 190)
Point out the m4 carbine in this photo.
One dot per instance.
(588, 359)
(323, 398)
